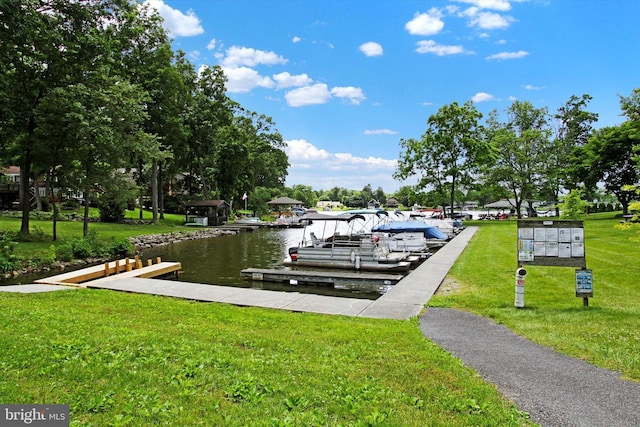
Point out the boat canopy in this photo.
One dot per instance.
(377, 212)
(429, 231)
(314, 216)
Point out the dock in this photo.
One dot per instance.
(404, 300)
(124, 268)
(318, 277)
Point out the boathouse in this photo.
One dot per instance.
(206, 212)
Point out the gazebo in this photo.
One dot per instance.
(501, 204)
(206, 212)
(284, 203)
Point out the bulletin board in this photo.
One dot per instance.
(558, 243)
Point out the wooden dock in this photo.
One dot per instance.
(318, 277)
(122, 268)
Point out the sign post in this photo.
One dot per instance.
(556, 244)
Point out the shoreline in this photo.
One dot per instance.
(143, 241)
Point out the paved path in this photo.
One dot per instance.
(554, 389)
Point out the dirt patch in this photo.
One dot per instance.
(448, 286)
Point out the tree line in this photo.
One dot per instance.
(92, 89)
(527, 154)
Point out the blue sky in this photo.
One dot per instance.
(346, 80)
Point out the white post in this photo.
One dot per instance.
(521, 273)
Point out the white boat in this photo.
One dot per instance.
(350, 250)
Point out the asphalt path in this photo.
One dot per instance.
(556, 390)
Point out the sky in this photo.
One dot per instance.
(346, 80)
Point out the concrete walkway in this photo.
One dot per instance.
(405, 300)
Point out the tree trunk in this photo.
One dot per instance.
(25, 202)
(85, 222)
(49, 186)
(154, 190)
(160, 191)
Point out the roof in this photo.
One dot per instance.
(501, 204)
(205, 203)
(285, 201)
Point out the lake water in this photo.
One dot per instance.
(219, 260)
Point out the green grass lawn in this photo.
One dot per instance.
(606, 333)
(42, 230)
(124, 359)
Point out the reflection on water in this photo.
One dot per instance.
(219, 260)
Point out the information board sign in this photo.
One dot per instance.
(584, 283)
(551, 243)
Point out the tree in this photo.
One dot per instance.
(520, 146)
(608, 158)
(562, 162)
(449, 152)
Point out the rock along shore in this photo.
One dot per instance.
(152, 240)
(139, 242)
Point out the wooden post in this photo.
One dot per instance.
(117, 266)
(149, 262)
(138, 262)
(127, 265)
(106, 269)
(158, 260)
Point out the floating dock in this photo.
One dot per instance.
(318, 277)
(127, 267)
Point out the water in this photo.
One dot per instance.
(219, 260)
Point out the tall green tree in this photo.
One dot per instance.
(520, 145)
(449, 153)
(148, 63)
(608, 156)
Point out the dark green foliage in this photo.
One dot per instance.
(92, 247)
(8, 260)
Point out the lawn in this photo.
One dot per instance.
(606, 333)
(124, 359)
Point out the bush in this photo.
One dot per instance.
(8, 259)
(92, 247)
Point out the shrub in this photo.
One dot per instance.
(8, 259)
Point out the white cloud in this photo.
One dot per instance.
(371, 49)
(425, 24)
(430, 46)
(296, 39)
(482, 97)
(243, 79)
(508, 55)
(532, 87)
(177, 23)
(299, 150)
(491, 21)
(287, 80)
(212, 44)
(323, 170)
(354, 94)
(501, 5)
(237, 56)
(308, 95)
(380, 132)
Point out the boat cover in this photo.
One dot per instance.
(429, 231)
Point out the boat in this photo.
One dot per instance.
(346, 250)
(405, 232)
